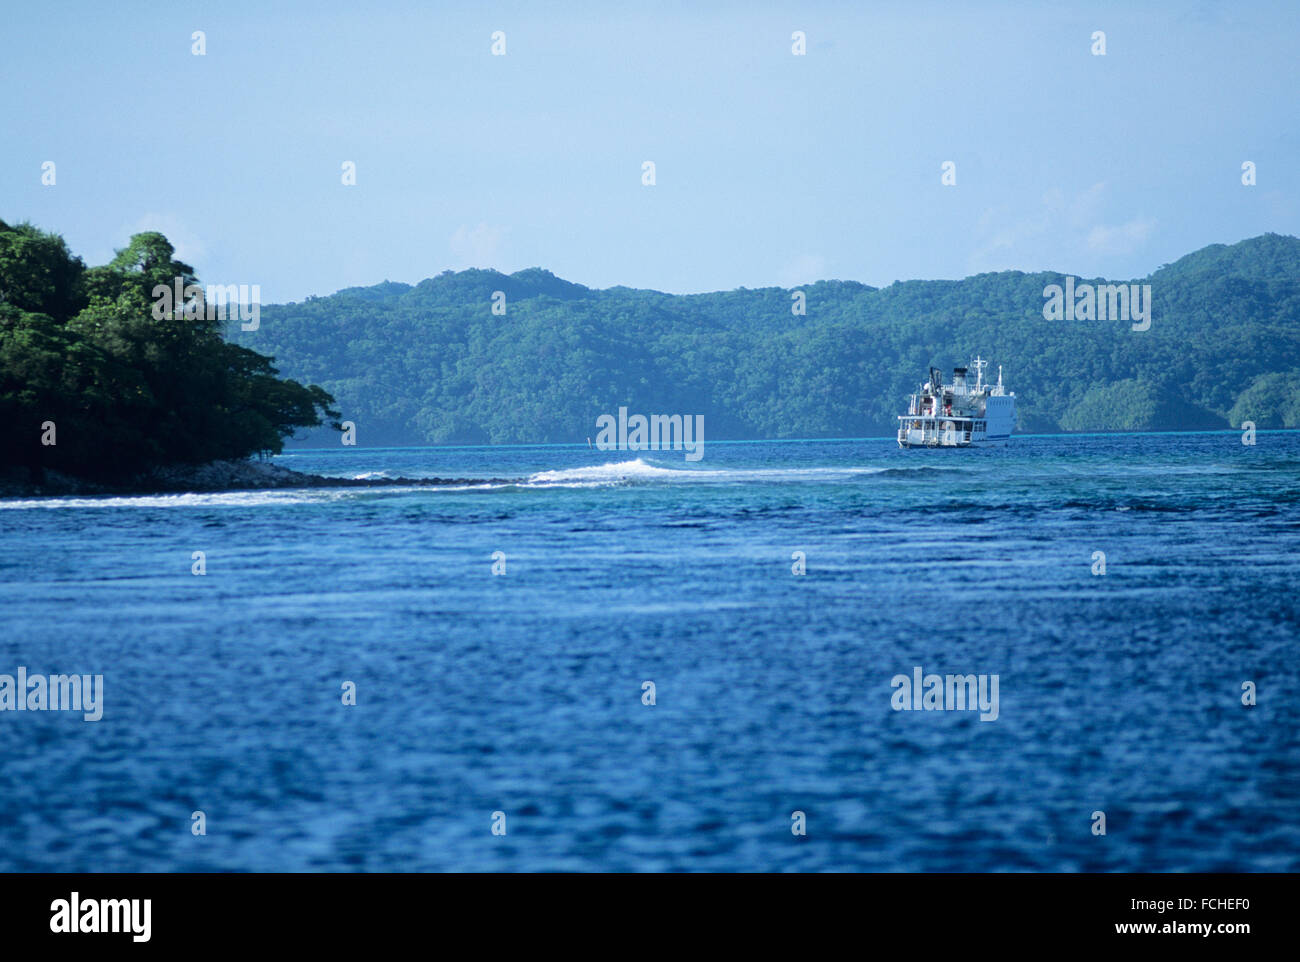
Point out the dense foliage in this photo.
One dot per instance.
(432, 363)
(86, 365)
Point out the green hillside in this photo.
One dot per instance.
(431, 363)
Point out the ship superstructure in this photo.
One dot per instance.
(960, 414)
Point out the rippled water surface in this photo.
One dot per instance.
(522, 692)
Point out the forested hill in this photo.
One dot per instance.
(99, 383)
(431, 363)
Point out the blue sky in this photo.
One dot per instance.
(771, 169)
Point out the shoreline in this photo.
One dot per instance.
(215, 476)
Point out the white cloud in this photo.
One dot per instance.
(190, 248)
(1061, 226)
(804, 269)
(1123, 239)
(479, 246)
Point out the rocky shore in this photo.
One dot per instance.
(215, 476)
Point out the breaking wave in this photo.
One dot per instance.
(599, 474)
(633, 472)
(234, 499)
(639, 471)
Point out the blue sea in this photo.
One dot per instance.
(522, 691)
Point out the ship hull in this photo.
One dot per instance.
(952, 433)
(982, 443)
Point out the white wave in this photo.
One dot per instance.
(230, 499)
(596, 475)
(638, 470)
(622, 471)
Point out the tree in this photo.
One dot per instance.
(126, 391)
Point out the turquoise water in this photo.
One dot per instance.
(521, 692)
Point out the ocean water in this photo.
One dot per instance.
(522, 692)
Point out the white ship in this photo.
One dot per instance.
(958, 415)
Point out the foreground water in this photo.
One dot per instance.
(522, 692)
